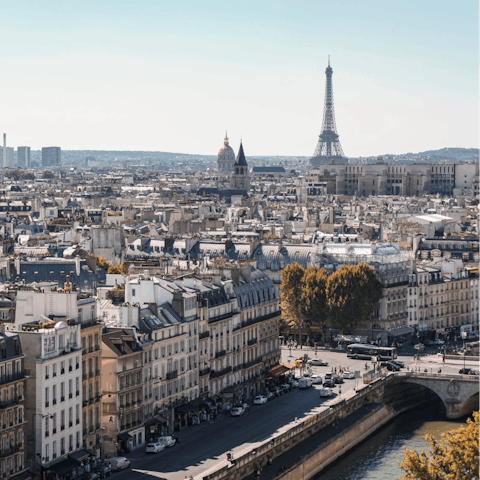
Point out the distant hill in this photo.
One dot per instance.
(448, 152)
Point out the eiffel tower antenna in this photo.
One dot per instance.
(328, 148)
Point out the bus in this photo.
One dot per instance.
(357, 350)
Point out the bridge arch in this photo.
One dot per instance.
(458, 393)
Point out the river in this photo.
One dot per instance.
(378, 457)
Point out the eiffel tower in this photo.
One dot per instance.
(328, 148)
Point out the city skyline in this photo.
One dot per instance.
(172, 78)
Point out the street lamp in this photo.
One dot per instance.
(340, 391)
(464, 337)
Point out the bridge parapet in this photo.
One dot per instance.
(459, 393)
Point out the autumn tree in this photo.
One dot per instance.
(353, 292)
(454, 457)
(47, 174)
(314, 298)
(291, 297)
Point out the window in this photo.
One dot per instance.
(133, 292)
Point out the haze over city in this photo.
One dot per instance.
(173, 76)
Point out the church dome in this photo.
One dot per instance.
(226, 152)
(226, 157)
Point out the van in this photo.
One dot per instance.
(305, 382)
(118, 463)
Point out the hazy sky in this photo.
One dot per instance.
(174, 75)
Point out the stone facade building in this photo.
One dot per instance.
(13, 460)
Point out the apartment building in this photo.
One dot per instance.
(91, 341)
(13, 460)
(441, 299)
(23, 157)
(51, 156)
(50, 335)
(122, 387)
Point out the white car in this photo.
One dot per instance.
(155, 447)
(317, 379)
(318, 362)
(437, 341)
(237, 412)
(167, 440)
(348, 375)
(326, 392)
(260, 400)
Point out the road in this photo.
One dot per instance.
(203, 446)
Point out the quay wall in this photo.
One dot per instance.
(258, 453)
(333, 449)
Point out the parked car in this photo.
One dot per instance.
(118, 463)
(398, 363)
(317, 379)
(391, 367)
(237, 411)
(305, 382)
(326, 392)
(467, 371)
(337, 378)
(168, 440)
(317, 362)
(155, 447)
(260, 400)
(294, 383)
(348, 375)
(329, 382)
(286, 387)
(278, 391)
(269, 395)
(437, 341)
(90, 476)
(104, 470)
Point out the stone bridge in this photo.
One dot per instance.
(459, 393)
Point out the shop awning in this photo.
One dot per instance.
(185, 408)
(125, 437)
(277, 371)
(400, 331)
(290, 367)
(63, 467)
(80, 455)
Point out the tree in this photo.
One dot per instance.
(314, 297)
(454, 457)
(353, 293)
(371, 290)
(47, 174)
(291, 297)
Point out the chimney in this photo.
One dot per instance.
(4, 150)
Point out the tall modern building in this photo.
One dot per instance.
(7, 154)
(23, 157)
(51, 156)
(328, 148)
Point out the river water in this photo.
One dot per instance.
(377, 457)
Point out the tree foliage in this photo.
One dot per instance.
(344, 299)
(314, 297)
(353, 292)
(291, 296)
(454, 457)
(19, 174)
(47, 174)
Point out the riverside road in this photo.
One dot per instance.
(204, 446)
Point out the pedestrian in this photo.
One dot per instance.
(443, 358)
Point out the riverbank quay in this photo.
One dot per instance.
(276, 448)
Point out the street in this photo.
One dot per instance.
(203, 446)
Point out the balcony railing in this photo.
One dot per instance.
(9, 403)
(11, 378)
(252, 341)
(218, 318)
(204, 335)
(204, 372)
(220, 373)
(220, 354)
(252, 363)
(253, 321)
(172, 375)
